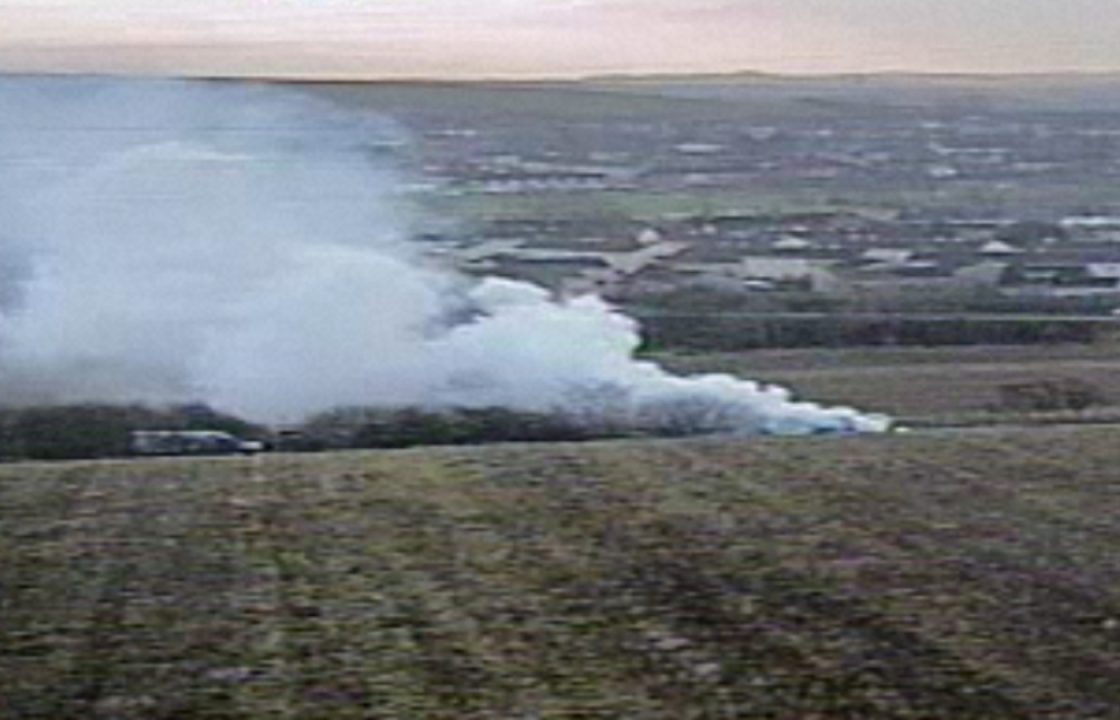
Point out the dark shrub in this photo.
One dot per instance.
(496, 424)
(1050, 395)
(71, 432)
(411, 427)
(408, 427)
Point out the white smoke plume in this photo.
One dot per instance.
(169, 241)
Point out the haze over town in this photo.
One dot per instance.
(551, 38)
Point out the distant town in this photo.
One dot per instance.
(888, 196)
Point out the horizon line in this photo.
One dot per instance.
(569, 78)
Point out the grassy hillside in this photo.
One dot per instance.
(965, 576)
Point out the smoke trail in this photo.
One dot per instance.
(173, 241)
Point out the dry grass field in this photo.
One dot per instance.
(947, 383)
(949, 576)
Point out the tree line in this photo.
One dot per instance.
(87, 431)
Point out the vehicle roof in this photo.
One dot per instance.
(184, 433)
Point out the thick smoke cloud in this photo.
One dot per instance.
(244, 246)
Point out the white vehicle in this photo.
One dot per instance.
(190, 442)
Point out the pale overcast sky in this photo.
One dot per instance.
(462, 38)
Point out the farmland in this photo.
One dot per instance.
(921, 576)
(947, 384)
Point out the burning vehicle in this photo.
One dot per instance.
(190, 442)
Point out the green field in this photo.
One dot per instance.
(949, 384)
(641, 205)
(803, 197)
(946, 576)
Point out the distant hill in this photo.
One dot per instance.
(756, 76)
(1046, 92)
(1059, 92)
